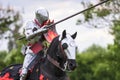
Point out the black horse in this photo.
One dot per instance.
(61, 56)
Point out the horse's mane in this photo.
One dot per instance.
(53, 46)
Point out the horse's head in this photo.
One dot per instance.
(62, 51)
(69, 48)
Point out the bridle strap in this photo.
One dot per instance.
(54, 62)
(62, 50)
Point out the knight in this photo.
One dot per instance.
(39, 37)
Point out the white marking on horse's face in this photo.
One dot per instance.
(71, 49)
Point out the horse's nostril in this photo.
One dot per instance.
(72, 66)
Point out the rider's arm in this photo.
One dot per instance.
(31, 30)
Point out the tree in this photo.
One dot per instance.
(115, 49)
(106, 14)
(94, 65)
(10, 23)
(2, 56)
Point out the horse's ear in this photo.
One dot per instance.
(74, 35)
(63, 34)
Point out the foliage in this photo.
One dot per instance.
(93, 65)
(115, 49)
(2, 56)
(10, 23)
(106, 14)
(12, 57)
(97, 63)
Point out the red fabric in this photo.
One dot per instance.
(50, 35)
(37, 47)
(41, 77)
(48, 22)
(6, 77)
(38, 23)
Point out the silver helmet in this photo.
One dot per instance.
(41, 15)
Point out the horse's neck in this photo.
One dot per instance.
(52, 53)
(51, 70)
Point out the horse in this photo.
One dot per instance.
(60, 57)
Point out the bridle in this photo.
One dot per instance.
(64, 53)
(55, 62)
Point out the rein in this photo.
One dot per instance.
(54, 62)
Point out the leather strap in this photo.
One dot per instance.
(54, 62)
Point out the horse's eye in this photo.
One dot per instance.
(65, 46)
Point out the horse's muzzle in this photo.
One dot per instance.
(71, 65)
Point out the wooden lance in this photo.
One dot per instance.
(49, 26)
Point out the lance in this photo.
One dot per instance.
(49, 26)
